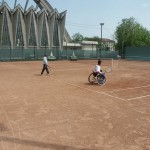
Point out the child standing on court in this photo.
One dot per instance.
(45, 65)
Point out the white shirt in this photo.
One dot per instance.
(45, 60)
(97, 68)
(118, 56)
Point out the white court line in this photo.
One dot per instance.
(138, 97)
(105, 93)
(7, 118)
(130, 88)
(89, 89)
(134, 98)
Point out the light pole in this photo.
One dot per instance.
(92, 49)
(101, 24)
(1, 18)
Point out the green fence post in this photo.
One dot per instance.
(10, 49)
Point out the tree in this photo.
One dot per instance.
(130, 33)
(95, 38)
(77, 37)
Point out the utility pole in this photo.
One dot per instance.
(101, 24)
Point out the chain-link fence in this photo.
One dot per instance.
(35, 54)
(137, 53)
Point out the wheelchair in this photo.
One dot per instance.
(97, 78)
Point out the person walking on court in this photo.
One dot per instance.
(45, 65)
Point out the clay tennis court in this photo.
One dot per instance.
(65, 112)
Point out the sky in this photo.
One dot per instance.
(85, 16)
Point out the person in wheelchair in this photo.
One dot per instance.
(97, 76)
(97, 68)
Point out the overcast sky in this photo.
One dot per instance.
(85, 16)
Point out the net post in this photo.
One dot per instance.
(112, 63)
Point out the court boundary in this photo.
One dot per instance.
(107, 92)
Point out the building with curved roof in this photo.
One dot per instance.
(22, 27)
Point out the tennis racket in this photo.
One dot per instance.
(107, 70)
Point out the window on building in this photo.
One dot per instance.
(44, 38)
(55, 34)
(5, 32)
(32, 37)
(19, 33)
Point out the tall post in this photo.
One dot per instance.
(22, 48)
(45, 46)
(101, 24)
(34, 49)
(92, 49)
(27, 1)
(14, 3)
(1, 20)
(66, 51)
(122, 48)
(10, 49)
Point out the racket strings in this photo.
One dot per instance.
(107, 70)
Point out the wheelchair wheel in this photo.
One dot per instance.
(91, 78)
(101, 79)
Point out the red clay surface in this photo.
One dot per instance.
(65, 112)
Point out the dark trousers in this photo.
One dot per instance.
(45, 67)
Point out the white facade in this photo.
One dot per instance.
(110, 44)
(89, 45)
